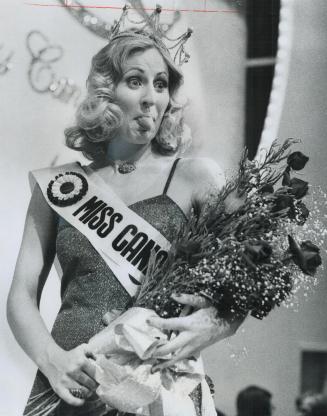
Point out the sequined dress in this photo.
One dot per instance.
(89, 289)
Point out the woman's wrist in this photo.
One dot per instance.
(46, 359)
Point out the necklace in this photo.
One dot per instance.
(128, 166)
(125, 167)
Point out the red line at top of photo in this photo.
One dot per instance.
(119, 8)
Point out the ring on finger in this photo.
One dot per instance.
(78, 393)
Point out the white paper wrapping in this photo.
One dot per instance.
(124, 359)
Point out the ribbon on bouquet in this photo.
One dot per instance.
(124, 240)
(124, 359)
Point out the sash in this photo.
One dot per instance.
(124, 240)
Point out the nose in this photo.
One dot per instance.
(148, 97)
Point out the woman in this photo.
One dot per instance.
(131, 128)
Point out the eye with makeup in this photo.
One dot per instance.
(161, 84)
(134, 82)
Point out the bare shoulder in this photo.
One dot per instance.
(202, 171)
(39, 210)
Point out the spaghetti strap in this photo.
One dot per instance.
(171, 174)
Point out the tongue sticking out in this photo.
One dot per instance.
(145, 123)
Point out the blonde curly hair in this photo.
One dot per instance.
(98, 116)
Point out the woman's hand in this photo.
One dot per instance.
(195, 331)
(68, 370)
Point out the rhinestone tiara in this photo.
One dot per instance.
(149, 25)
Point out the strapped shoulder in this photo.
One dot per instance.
(170, 176)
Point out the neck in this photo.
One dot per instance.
(118, 150)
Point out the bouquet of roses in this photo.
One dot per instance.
(241, 252)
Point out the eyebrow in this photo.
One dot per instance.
(135, 68)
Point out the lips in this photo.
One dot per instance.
(145, 122)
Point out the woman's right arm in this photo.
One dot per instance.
(64, 369)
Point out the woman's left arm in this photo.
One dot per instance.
(196, 331)
(203, 327)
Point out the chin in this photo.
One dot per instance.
(144, 138)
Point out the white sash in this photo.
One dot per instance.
(122, 238)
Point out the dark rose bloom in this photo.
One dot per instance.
(266, 189)
(299, 188)
(306, 255)
(297, 160)
(258, 251)
(301, 213)
(283, 201)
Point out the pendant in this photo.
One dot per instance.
(126, 167)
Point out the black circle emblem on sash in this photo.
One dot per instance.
(67, 189)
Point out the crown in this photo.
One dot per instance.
(149, 25)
